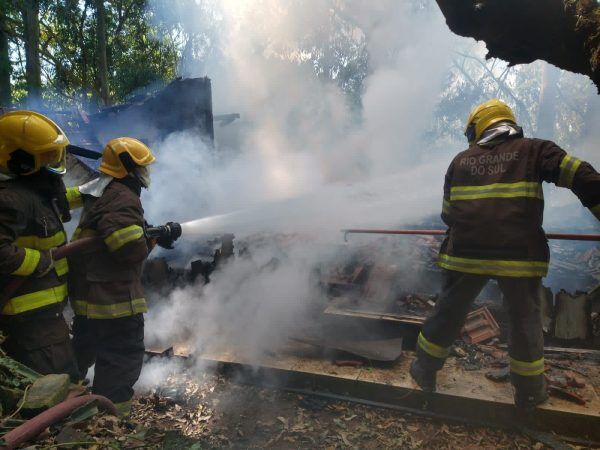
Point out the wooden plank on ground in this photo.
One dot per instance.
(464, 395)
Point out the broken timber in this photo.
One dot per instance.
(462, 395)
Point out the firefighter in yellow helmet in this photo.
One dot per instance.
(33, 206)
(106, 290)
(493, 205)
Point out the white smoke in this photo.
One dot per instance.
(298, 133)
(308, 161)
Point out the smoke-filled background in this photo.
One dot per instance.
(350, 113)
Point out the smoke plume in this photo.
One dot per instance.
(304, 158)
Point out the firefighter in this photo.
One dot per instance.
(493, 206)
(33, 205)
(105, 287)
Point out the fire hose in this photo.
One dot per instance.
(33, 427)
(559, 236)
(165, 235)
(80, 246)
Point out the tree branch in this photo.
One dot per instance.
(502, 85)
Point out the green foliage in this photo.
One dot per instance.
(472, 80)
(136, 55)
(149, 42)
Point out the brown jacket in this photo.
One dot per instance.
(107, 284)
(29, 227)
(494, 204)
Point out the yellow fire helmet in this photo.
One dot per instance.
(484, 116)
(29, 142)
(122, 155)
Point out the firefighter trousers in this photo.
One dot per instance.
(522, 303)
(116, 347)
(41, 341)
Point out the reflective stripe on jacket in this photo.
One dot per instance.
(30, 225)
(107, 284)
(494, 203)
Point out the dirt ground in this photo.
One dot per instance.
(208, 411)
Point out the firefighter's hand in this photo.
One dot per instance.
(171, 234)
(45, 265)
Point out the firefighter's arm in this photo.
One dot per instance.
(123, 234)
(18, 259)
(446, 205)
(567, 171)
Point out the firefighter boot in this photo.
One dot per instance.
(424, 376)
(123, 409)
(529, 391)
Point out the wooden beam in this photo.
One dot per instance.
(462, 395)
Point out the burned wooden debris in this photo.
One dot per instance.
(363, 287)
(188, 100)
(375, 298)
(480, 327)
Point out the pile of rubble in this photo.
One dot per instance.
(400, 282)
(566, 374)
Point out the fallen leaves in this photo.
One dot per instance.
(219, 414)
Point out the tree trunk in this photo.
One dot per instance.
(5, 67)
(546, 116)
(561, 32)
(33, 73)
(102, 74)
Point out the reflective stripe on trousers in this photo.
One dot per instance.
(432, 349)
(495, 267)
(114, 311)
(527, 368)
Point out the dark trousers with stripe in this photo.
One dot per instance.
(522, 301)
(41, 341)
(116, 346)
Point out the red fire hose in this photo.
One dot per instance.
(33, 427)
(561, 236)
